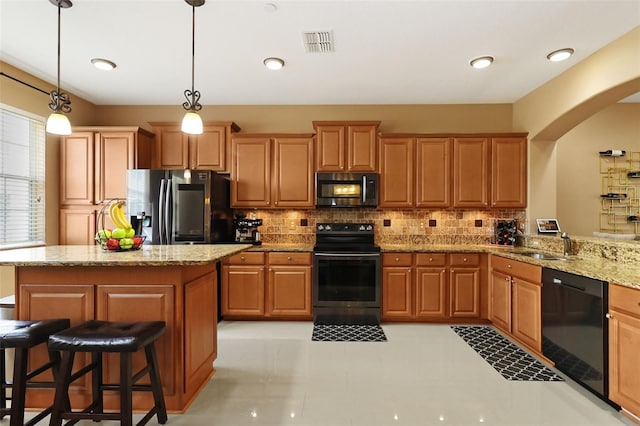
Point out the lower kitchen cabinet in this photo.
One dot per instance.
(284, 292)
(431, 286)
(515, 294)
(624, 347)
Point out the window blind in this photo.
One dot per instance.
(22, 175)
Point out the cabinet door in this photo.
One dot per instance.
(396, 172)
(172, 147)
(508, 172)
(526, 311)
(251, 172)
(330, 148)
(624, 368)
(77, 226)
(142, 303)
(200, 330)
(243, 290)
(289, 291)
(115, 153)
(77, 169)
(208, 151)
(431, 293)
(293, 182)
(396, 292)
(470, 172)
(500, 312)
(361, 148)
(433, 171)
(464, 292)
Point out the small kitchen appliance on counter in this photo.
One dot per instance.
(247, 230)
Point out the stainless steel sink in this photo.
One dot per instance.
(541, 256)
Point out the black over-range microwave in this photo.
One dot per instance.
(346, 189)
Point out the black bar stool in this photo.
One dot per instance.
(21, 336)
(98, 337)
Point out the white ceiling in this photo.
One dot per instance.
(386, 52)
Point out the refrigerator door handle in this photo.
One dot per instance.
(167, 211)
(161, 211)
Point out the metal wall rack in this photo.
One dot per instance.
(620, 193)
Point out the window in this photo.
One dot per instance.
(22, 173)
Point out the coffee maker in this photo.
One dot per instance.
(247, 230)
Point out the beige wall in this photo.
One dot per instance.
(579, 181)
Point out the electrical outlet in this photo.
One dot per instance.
(478, 223)
(304, 222)
(432, 223)
(386, 222)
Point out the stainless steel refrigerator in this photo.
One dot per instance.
(180, 206)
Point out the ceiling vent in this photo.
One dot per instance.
(318, 41)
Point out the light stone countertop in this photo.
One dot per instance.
(93, 255)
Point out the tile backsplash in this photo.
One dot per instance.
(417, 226)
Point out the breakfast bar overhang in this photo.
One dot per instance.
(176, 284)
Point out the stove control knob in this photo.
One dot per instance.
(327, 227)
(369, 228)
(320, 227)
(361, 228)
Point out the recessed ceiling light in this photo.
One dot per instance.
(560, 55)
(481, 62)
(273, 63)
(103, 64)
(270, 7)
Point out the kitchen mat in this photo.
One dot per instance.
(504, 356)
(348, 333)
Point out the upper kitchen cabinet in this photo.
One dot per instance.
(471, 172)
(396, 172)
(208, 151)
(509, 172)
(433, 172)
(272, 171)
(346, 146)
(94, 162)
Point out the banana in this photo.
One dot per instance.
(114, 214)
(122, 218)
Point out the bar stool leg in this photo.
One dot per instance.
(126, 384)
(156, 386)
(18, 393)
(3, 384)
(96, 381)
(63, 380)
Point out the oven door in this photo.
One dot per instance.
(346, 279)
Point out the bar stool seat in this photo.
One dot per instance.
(22, 336)
(98, 337)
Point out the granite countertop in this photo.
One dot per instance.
(148, 255)
(282, 247)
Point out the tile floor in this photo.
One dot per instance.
(271, 373)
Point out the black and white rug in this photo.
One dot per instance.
(504, 356)
(347, 333)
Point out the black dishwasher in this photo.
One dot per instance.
(574, 328)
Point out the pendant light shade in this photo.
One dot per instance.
(192, 123)
(58, 123)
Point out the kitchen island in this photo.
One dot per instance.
(176, 284)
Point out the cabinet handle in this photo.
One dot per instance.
(288, 257)
(275, 203)
(509, 266)
(443, 271)
(464, 259)
(397, 259)
(242, 258)
(507, 279)
(431, 259)
(608, 315)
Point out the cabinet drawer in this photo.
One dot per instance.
(526, 271)
(288, 258)
(396, 259)
(431, 259)
(625, 299)
(465, 259)
(246, 258)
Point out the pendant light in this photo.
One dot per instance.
(192, 123)
(58, 123)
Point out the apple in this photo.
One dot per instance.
(103, 235)
(137, 242)
(113, 244)
(129, 233)
(119, 233)
(126, 243)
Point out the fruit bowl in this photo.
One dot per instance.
(123, 236)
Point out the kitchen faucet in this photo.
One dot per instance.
(567, 243)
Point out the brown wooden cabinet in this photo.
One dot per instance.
(284, 293)
(515, 294)
(624, 346)
(289, 285)
(346, 146)
(272, 171)
(93, 170)
(208, 151)
(433, 172)
(396, 172)
(431, 286)
(509, 172)
(471, 172)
